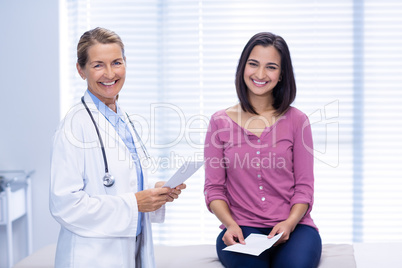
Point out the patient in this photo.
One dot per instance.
(259, 162)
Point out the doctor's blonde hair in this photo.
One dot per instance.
(92, 37)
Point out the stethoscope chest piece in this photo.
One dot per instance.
(108, 180)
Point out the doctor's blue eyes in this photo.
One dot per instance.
(101, 65)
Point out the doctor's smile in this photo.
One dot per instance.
(108, 84)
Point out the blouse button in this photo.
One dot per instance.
(261, 187)
(259, 175)
(263, 199)
(258, 152)
(258, 164)
(259, 140)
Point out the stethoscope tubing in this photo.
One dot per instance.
(108, 179)
(99, 136)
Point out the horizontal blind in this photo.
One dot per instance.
(181, 63)
(382, 121)
(181, 125)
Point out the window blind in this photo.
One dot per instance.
(181, 63)
(382, 145)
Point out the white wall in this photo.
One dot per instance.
(29, 110)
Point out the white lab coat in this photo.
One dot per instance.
(98, 223)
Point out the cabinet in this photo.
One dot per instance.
(15, 202)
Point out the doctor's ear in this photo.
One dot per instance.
(80, 71)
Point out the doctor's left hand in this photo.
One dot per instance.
(152, 199)
(174, 193)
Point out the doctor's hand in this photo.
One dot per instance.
(174, 193)
(152, 199)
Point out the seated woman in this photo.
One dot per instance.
(259, 163)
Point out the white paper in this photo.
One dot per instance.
(183, 173)
(255, 244)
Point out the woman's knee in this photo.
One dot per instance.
(302, 250)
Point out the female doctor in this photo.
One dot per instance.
(98, 190)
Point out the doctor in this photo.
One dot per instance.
(98, 190)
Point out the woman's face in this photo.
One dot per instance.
(105, 71)
(263, 70)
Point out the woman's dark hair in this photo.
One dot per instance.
(284, 92)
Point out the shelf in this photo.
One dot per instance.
(18, 205)
(15, 202)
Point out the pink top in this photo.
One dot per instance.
(260, 178)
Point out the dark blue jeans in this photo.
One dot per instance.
(302, 250)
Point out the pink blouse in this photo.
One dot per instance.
(260, 178)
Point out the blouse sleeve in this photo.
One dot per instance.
(303, 163)
(215, 172)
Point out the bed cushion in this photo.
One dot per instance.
(337, 256)
(43, 258)
(378, 254)
(197, 256)
(204, 256)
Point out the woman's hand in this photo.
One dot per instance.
(233, 235)
(286, 227)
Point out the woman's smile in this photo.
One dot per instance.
(259, 83)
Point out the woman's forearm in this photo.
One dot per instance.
(297, 212)
(221, 210)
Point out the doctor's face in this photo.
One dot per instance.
(105, 71)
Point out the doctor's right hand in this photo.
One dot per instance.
(152, 199)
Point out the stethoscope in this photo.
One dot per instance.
(108, 180)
